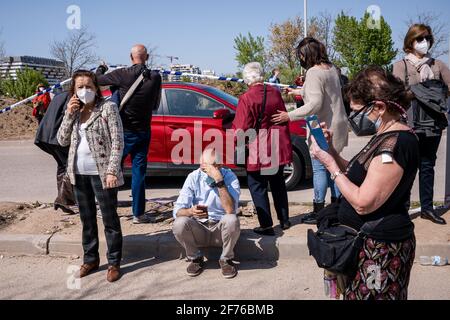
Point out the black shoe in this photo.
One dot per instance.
(310, 218)
(431, 215)
(264, 231)
(64, 208)
(285, 225)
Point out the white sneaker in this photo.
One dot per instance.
(142, 219)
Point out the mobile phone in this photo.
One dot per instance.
(203, 208)
(314, 126)
(81, 104)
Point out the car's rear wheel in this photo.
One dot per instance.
(293, 172)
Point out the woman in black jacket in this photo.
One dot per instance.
(46, 140)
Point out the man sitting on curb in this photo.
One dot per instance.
(205, 214)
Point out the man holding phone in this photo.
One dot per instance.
(205, 214)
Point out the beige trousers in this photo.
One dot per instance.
(192, 235)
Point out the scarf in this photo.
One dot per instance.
(421, 65)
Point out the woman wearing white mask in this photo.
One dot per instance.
(424, 75)
(93, 129)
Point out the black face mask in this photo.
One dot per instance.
(360, 122)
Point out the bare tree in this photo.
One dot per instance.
(76, 51)
(321, 27)
(152, 55)
(439, 27)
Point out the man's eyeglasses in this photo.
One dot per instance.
(421, 38)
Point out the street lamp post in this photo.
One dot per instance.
(305, 17)
(447, 162)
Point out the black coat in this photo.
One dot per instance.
(49, 125)
(137, 113)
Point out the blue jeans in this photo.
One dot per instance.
(137, 145)
(322, 180)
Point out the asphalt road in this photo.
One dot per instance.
(52, 278)
(28, 174)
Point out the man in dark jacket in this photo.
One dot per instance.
(136, 117)
(46, 140)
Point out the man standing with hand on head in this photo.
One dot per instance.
(205, 214)
(136, 115)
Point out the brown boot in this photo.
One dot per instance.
(113, 273)
(65, 197)
(87, 268)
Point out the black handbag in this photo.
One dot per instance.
(335, 246)
(244, 148)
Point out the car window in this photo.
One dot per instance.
(190, 103)
(160, 110)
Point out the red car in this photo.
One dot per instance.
(182, 104)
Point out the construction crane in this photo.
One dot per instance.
(172, 58)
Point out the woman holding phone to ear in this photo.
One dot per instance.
(322, 95)
(93, 129)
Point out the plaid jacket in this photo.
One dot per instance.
(104, 134)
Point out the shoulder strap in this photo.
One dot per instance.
(132, 90)
(406, 73)
(260, 117)
(368, 227)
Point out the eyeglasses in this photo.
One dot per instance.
(421, 38)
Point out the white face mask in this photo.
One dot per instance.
(86, 96)
(41, 89)
(422, 47)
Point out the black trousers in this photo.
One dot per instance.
(428, 149)
(258, 185)
(87, 188)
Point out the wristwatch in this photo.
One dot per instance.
(220, 184)
(336, 174)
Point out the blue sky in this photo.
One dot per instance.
(200, 32)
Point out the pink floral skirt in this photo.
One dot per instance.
(383, 271)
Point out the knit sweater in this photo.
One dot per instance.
(323, 97)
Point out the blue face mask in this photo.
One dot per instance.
(210, 181)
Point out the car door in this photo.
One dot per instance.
(156, 154)
(189, 116)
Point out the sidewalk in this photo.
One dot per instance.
(157, 240)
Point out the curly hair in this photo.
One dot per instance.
(376, 84)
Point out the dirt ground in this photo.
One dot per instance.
(17, 124)
(43, 219)
(37, 218)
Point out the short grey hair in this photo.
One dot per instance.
(253, 73)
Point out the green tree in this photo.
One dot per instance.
(25, 84)
(358, 45)
(250, 49)
(186, 79)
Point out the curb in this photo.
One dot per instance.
(164, 246)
